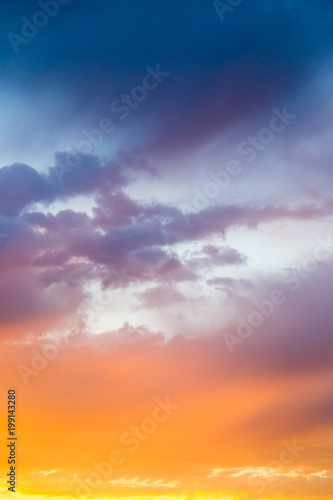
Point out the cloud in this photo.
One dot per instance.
(160, 296)
(195, 373)
(68, 249)
(82, 228)
(22, 185)
(214, 257)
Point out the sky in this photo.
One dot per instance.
(166, 249)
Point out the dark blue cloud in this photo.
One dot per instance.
(22, 185)
(259, 54)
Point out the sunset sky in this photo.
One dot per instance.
(166, 249)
